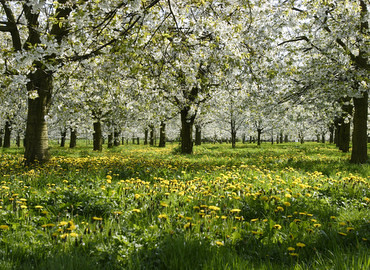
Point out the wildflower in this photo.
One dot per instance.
(219, 243)
(97, 218)
(136, 210)
(317, 225)
(254, 219)
(163, 216)
(39, 207)
(62, 223)
(291, 248)
(279, 208)
(164, 204)
(301, 245)
(73, 234)
(293, 254)
(342, 233)
(4, 227)
(333, 217)
(235, 210)
(277, 226)
(288, 195)
(287, 204)
(350, 229)
(214, 208)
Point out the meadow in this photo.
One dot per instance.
(285, 206)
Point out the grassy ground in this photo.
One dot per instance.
(286, 206)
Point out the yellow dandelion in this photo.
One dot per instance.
(62, 223)
(136, 210)
(235, 210)
(39, 207)
(97, 218)
(214, 208)
(4, 227)
(350, 229)
(293, 254)
(254, 219)
(317, 225)
(301, 245)
(73, 234)
(219, 243)
(277, 226)
(291, 248)
(163, 216)
(164, 204)
(342, 233)
(287, 204)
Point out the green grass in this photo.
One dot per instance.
(286, 206)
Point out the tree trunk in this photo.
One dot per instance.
(18, 139)
(133, 139)
(146, 131)
(286, 138)
(187, 122)
(331, 130)
(138, 140)
(97, 136)
(317, 138)
(36, 138)
(323, 138)
(359, 136)
(162, 135)
(198, 135)
(233, 134)
(259, 132)
(281, 139)
(73, 138)
(63, 135)
(7, 135)
(243, 139)
(116, 137)
(1, 138)
(250, 139)
(110, 140)
(151, 138)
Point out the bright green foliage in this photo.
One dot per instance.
(271, 207)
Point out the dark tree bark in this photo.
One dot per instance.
(146, 132)
(7, 135)
(138, 140)
(233, 133)
(243, 138)
(317, 138)
(198, 135)
(281, 137)
(1, 138)
(187, 122)
(63, 135)
(301, 137)
(151, 138)
(133, 139)
(250, 139)
(117, 134)
(259, 132)
(18, 139)
(36, 139)
(110, 140)
(323, 138)
(73, 138)
(162, 135)
(97, 136)
(286, 138)
(359, 136)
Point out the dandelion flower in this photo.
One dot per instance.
(277, 226)
(219, 243)
(97, 218)
(301, 245)
(136, 210)
(235, 210)
(4, 227)
(163, 216)
(291, 248)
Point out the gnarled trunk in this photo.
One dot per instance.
(198, 135)
(187, 122)
(116, 137)
(63, 135)
(97, 136)
(359, 136)
(146, 132)
(36, 138)
(162, 135)
(110, 140)
(151, 138)
(233, 133)
(7, 135)
(73, 139)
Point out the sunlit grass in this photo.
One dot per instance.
(286, 206)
